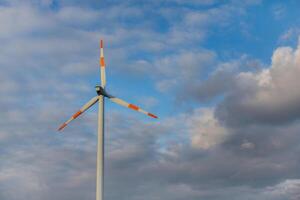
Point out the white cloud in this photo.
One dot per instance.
(269, 95)
(148, 101)
(77, 16)
(194, 2)
(276, 85)
(20, 20)
(279, 11)
(165, 85)
(288, 189)
(205, 130)
(247, 145)
(181, 68)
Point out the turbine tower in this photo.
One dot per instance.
(101, 94)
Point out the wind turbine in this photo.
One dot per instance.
(101, 94)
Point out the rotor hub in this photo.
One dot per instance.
(101, 91)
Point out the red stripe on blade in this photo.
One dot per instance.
(134, 107)
(62, 126)
(77, 114)
(101, 44)
(151, 115)
(102, 63)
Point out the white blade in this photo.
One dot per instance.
(131, 106)
(82, 109)
(102, 65)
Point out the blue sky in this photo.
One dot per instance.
(221, 75)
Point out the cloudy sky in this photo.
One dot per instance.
(222, 75)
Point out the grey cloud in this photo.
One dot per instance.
(137, 167)
(217, 84)
(220, 82)
(226, 169)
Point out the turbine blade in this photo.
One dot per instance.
(82, 110)
(131, 106)
(102, 65)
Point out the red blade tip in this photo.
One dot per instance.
(151, 115)
(62, 126)
(101, 44)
